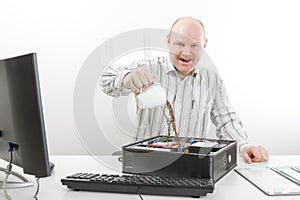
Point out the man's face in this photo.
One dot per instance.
(186, 43)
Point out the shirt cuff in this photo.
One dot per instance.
(241, 145)
(118, 83)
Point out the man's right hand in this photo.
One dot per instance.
(138, 79)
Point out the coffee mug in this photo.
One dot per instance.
(151, 97)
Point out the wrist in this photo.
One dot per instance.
(120, 79)
(242, 145)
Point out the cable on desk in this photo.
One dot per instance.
(37, 188)
(139, 193)
(8, 171)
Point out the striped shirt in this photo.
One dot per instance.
(196, 99)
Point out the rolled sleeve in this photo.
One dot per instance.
(111, 81)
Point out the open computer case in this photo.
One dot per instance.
(191, 157)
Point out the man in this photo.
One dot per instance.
(196, 93)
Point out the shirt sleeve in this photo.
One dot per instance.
(111, 80)
(228, 125)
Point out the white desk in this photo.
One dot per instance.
(231, 186)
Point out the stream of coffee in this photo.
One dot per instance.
(171, 121)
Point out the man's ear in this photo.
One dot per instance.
(168, 40)
(205, 42)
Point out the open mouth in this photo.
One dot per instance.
(186, 61)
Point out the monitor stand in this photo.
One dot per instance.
(14, 184)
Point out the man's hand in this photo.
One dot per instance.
(255, 154)
(138, 79)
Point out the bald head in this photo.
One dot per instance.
(185, 21)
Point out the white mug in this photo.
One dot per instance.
(151, 97)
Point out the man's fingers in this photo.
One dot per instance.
(264, 153)
(246, 156)
(144, 79)
(137, 82)
(247, 159)
(255, 154)
(138, 79)
(130, 84)
(151, 78)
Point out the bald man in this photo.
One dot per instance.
(197, 94)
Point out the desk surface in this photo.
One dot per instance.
(231, 186)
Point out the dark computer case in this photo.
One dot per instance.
(213, 159)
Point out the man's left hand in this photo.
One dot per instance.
(255, 154)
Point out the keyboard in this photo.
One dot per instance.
(139, 184)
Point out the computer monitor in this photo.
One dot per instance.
(21, 115)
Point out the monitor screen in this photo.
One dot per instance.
(21, 115)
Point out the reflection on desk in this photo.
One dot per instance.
(231, 186)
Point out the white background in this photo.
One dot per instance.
(255, 45)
